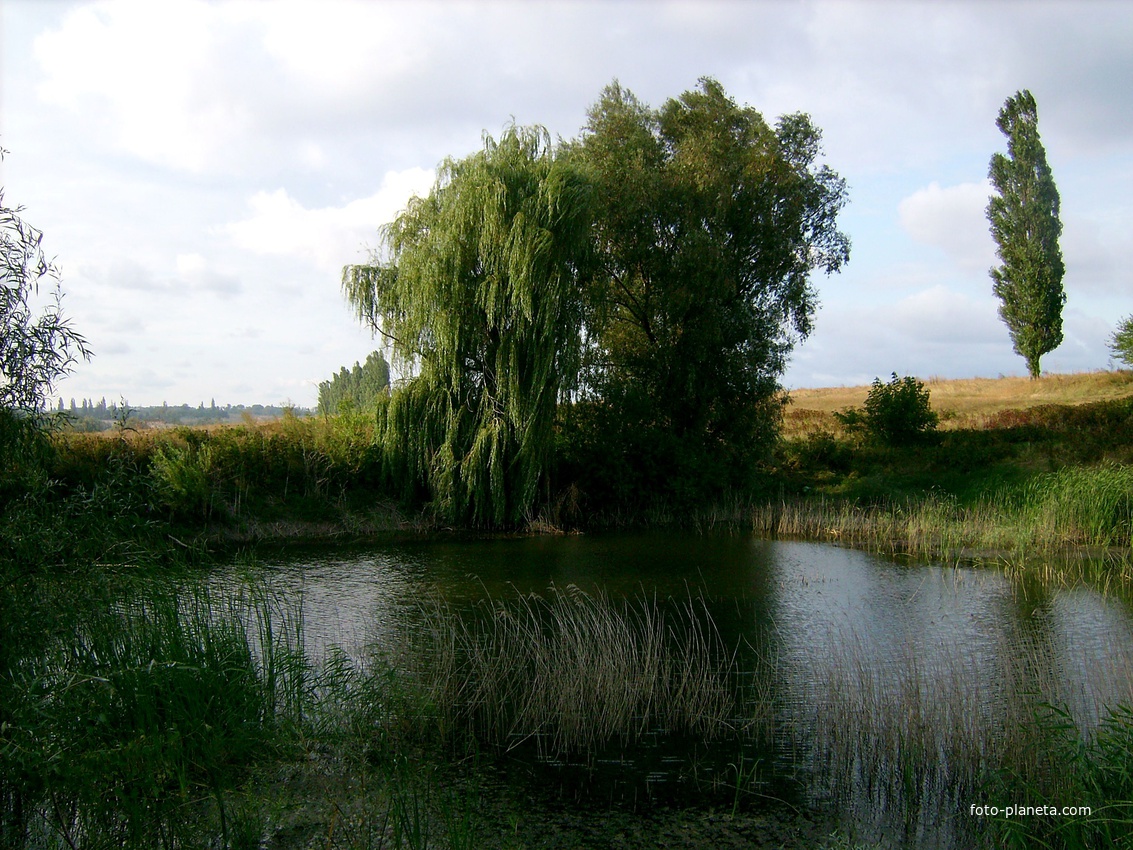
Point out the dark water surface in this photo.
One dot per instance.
(867, 656)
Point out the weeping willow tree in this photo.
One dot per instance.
(478, 287)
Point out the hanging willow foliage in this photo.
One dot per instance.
(479, 290)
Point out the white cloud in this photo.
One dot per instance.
(190, 265)
(1098, 250)
(343, 46)
(144, 72)
(125, 274)
(330, 237)
(952, 219)
(196, 273)
(936, 331)
(942, 315)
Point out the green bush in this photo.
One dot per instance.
(896, 414)
(182, 477)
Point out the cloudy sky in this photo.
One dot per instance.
(202, 171)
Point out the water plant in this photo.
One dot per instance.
(130, 724)
(903, 742)
(1092, 771)
(571, 670)
(1085, 513)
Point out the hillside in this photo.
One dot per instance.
(968, 401)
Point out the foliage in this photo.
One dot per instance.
(35, 350)
(181, 476)
(1121, 343)
(1094, 505)
(1024, 217)
(897, 413)
(123, 718)
(481, 292)
(358, 389)
(25, 451)
(708, 225)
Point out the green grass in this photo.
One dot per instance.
(1076, 521)
(131, 723)
(1094, 770)
(173, 715)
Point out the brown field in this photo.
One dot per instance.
(966, 402)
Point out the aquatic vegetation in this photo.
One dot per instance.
(129, 723)
(168, 716)
(903, 744)
(571, 670)
(1080, 516)
(193, 713)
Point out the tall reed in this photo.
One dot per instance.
(134, 722)
(903, 742)
(1076, 511)
(572, 670)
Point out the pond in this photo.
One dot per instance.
(887, 689)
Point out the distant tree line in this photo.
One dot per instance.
(87, 415)
(356, 389)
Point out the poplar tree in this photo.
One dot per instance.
(1024, 217)
(360, 388)
(479, 292)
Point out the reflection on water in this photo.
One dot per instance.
(877, 661)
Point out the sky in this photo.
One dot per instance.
(203, 171)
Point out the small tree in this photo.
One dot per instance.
(1121, 343)
(1025, 222)
(35, 349)
(897, 413)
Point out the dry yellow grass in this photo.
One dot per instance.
(967, 401)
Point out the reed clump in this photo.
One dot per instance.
(1082, 512)
(132, 722)
(174, 715)
(904, 741)
(572, 671)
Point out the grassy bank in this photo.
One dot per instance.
(1078, 512)
(176, 494)
(1042, 479)
(1019, 485)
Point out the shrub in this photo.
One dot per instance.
(896, 414)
